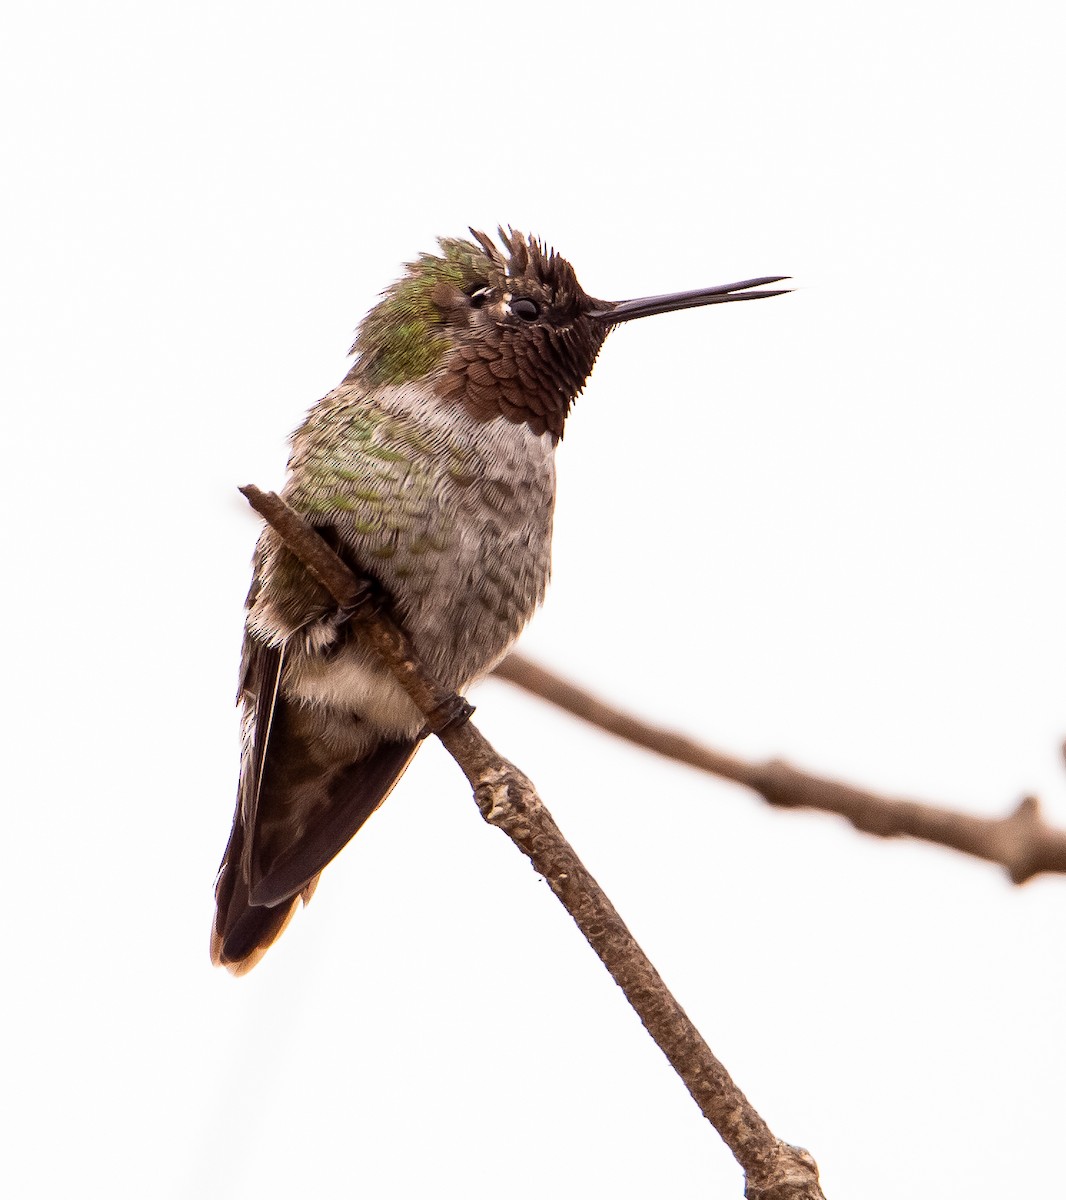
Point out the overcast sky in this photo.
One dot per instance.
(827, 527)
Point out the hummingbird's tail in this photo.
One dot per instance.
(243, 932)
(288, 826)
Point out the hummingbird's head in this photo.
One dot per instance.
(503, 332)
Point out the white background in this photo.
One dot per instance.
(827, 526)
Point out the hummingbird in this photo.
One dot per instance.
(430, 470)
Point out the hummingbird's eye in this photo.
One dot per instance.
(524, 308)
(478, 297)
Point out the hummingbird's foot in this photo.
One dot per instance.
(454, 711)
(368, 601)
(335, 631)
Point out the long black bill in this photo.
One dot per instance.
(647, 306)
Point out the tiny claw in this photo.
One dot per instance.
(367, 601)
(447, 715)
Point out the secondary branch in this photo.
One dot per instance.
(1022, 842)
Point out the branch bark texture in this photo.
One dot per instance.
(773, 1169)
(1022, 842)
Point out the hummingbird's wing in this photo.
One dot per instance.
(312, 774)
(310, 778)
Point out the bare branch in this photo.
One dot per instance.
(774, 1170)
(1022, 842)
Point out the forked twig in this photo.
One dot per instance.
(773, 1169)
